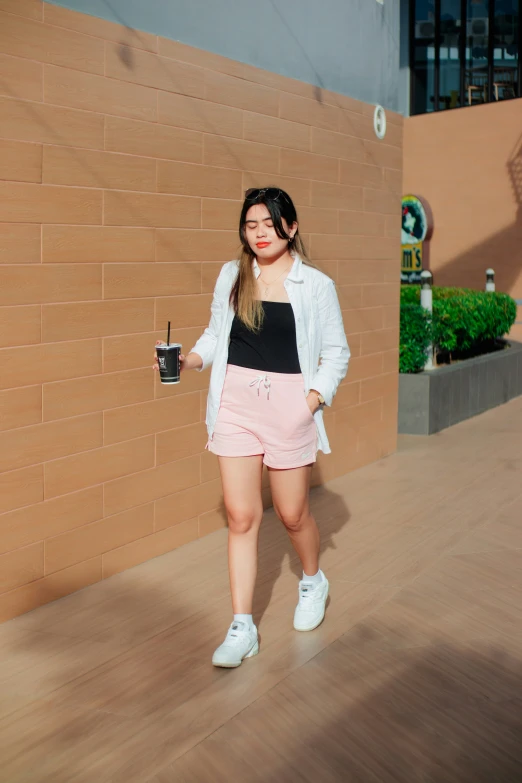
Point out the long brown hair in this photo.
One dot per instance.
(280, 206)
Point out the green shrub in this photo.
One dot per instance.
(463, 320)
(415, 336)
(410, 294)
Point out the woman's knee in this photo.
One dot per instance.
(242, 520)
(293, 519)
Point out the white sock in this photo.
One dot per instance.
(244, 618)
(314, 580)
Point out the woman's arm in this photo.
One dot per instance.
(192, 361)
(205, 347)
(335, 353)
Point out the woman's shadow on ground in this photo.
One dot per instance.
(440, 713)
(275, 549)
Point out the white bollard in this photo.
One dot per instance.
(490, 279)
(427, 304)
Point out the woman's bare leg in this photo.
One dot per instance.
(290, 495)
(241, 479)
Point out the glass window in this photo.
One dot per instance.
(463, 52)
(423, 71)
(505, 50)
(450, 47)
(476, 65)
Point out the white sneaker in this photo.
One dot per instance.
(241, 642)
(310, 610)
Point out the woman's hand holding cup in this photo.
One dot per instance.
(168, 361)
(192, 361)
(182, 358)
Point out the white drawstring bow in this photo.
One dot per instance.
(262, 379)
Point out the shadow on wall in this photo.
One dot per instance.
(468, 269)
(126, 54)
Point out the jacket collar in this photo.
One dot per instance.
(295, 274)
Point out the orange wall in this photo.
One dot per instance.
(123, 159)
(468, 164)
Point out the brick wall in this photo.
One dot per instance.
(123, 159)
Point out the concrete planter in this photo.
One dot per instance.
(431, 401)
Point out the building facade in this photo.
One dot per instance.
(463, 142)
(463, 53)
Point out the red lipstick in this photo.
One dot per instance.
(262, 244)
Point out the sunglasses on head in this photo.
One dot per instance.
(270, 193)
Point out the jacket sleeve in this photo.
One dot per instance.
(335, 353)
(206, 345)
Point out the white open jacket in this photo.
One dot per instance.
(321, 342)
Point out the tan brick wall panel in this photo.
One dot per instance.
(485, 172)
(120, 191)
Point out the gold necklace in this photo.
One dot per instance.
(268, 285)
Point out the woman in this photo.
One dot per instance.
(277, 345)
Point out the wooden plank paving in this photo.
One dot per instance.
(414, 677)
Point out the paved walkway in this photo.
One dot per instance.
(415, 676)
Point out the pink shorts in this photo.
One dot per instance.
(265, 413)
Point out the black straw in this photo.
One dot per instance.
(168, 334)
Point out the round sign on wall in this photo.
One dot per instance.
(379, 122)
(414, 221)
(416, 228)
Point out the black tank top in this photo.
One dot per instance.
(273, 348)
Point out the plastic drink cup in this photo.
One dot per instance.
(169, 362)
